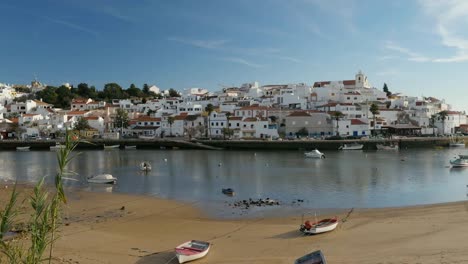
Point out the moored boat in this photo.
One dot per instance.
(387, 147)
(192, 250)
(111, 146)
(57, 146)
(456, 142)
(130, 147)
(460, 162)
(102, 178)
(351, 146)
(228, 191)
(315, 154)
(321, 226)
(26, 148)
(145, 166)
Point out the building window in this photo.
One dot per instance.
(217, 124)
(347, 126)
(264, 126)
(252, 126)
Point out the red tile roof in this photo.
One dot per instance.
(299, 113)
(357, 122)
(147, 118)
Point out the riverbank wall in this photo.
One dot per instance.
(369, 144)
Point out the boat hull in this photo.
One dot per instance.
(323, 226)
(315, 154)
(22, 148)
(352, 147)
(457, 145)
(185, 253)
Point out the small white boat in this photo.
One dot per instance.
(145, 166)
(456, 142)
(146, 137)
(57, 146)
(351, 146)
(192, 250)
(111, 146)
(102, 178)
(321, 226)
(315, 154)
(130, 147)
(460, 162)
(387, 147)
(23, 148)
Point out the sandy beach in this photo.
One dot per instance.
(116, 228)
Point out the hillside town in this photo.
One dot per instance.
(350, 108)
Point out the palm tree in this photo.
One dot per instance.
(337, 116)
(228, 115)
(170, 120)
(209, 108)
(374, 109)
(432, 123)
(442, 116)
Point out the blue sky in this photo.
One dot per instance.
(418, 48)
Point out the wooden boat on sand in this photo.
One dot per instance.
(192, 250)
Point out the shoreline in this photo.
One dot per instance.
(120, 228)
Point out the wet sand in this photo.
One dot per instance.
(116, 228)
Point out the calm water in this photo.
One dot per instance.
(345, 179)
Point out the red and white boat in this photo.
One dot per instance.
(321, 226)
(192, 250)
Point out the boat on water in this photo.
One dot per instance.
(456, 142)
(228, 191)
(102, 178)
(130, 147)
(387, 147)
(192, 250)
(315, 257)
(57, 146)
(145, 166)
(146, 137)
(26, 148)
(321, 226)
(315, 154)
(111, 146)
(351, 146)
(460, 162)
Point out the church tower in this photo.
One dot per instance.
(361, 80)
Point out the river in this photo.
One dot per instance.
(344, 179)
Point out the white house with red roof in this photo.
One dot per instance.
(96, 122)
(146, 126)
(83, 104)
(252, 111)
(452, 122)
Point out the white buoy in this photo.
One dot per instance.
(165, 160)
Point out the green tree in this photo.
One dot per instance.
(170, 120)
(81, 124)
(113, 91)
(337, 115)
(121, 119)
(443, 116)
(48, 95)
(64, 97)
(146, 89)
(83, 90)
(374, 109)
(134, 91)
(302, 132)
(227, 132)
(385, 89)
(209, 109)
(173, 93)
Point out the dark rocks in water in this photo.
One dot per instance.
(122, 208)
(246, 204)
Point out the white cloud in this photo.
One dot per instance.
(242, 61)
(412, 56)
(71, 25)
(206, 44)
(450, 20)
